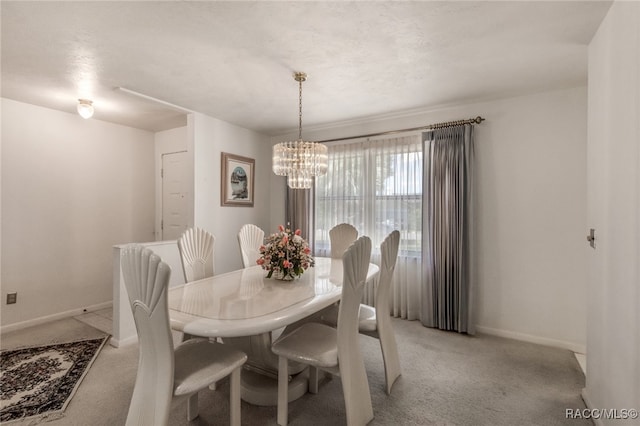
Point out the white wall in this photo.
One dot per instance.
(613, 340)
(71, 189)
(74, 188)
(210, 137)
(531, 220)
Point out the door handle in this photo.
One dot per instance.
(592, 238)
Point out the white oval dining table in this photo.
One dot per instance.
(244, 307)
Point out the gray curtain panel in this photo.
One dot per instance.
(300, 206)
(447, 225)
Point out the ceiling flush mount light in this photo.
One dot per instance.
(300, 161)
(85, 108)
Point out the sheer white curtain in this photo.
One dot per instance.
(376, 186)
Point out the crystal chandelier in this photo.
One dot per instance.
(300, 161)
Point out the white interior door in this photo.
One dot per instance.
(175, 195)
(613, 324)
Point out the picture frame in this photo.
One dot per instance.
(237, 180)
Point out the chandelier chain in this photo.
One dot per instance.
(300, 110)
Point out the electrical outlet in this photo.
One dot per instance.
(12, 298)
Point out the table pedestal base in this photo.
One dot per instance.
(259, 389)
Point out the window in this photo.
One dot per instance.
(376, 186)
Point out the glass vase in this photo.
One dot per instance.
(282, 276)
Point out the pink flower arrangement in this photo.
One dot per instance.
(286, 253)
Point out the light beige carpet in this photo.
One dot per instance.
(448, 379)
(61, 331)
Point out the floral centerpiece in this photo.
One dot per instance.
(285, 254)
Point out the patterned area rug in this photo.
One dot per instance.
(41, 380)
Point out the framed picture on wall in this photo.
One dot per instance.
(237, 180)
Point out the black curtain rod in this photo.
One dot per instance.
(476, 120)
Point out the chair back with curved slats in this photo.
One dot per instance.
(250, 238)
(146, 278)
(354, 377)
(388, 258)
(341, 236)
(196, 253)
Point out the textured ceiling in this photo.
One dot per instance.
(235, 60)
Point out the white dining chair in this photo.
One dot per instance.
(376, 322)
(335, 350)
(164, 373)
(250, 238)
(196, 253)
(341, 236)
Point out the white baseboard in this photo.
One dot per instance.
(124, 342)
(54, 317)
(587, 402)
(573, 347)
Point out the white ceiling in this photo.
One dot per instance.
(235, 60)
